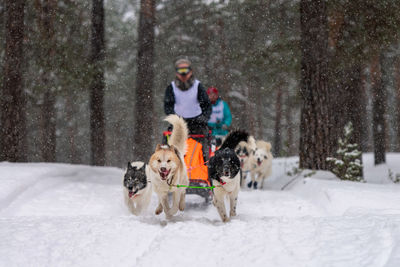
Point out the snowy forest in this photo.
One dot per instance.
(83, 85)
(83, 81)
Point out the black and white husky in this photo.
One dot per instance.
(224, 173)
(137, 188)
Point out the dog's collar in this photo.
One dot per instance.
(222, 183)
(170, 181)
(219, 180)
(134, 196)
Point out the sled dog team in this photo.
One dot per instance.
(166, 172)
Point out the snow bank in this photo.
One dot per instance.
(73, 215)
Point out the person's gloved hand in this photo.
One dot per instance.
(218, 124)
(202, 119)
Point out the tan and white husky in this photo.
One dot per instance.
(168, 169)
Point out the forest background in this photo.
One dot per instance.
(255, 52)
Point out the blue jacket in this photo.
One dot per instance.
(218, 127)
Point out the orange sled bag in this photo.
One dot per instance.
(196, 169)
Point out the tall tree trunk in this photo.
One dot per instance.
(365, 133)
(258, 107)
(48, 135)
(46, 10)
(278, 124)
(259, 111)
(72, 129)
(13, 119)
(97, 124)
(348, 106)
(315, 112)
(355, 108)
(251, 108)
(378, 110)
(347, 97)
(205, 43)
(397, 88)
(289, 125)
(224, 79)
(144, 113)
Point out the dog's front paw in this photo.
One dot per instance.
(232, 213)
(250, 184)
(159, 209)
(255, 185)
(182, 203)
(225, 219)
(182, 206)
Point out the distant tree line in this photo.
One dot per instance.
(83, 81)
(345, 47)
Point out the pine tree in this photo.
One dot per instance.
(347, 164)
(97, 120)
(144, 112)
(316, 115)
(12, 101)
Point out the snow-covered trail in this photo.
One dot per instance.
(71, 215)
(266, 241)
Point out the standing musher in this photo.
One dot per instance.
(186, 97)
(221, 117)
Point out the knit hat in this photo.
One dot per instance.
(212, 90)
(183, 61)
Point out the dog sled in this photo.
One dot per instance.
(196, 165)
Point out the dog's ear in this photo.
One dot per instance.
(268, 146)
(144, 165)
(252, 142)
(129, 165)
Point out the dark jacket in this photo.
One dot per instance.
(202, 97)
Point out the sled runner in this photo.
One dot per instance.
(197, 170)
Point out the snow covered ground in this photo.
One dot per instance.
(73, 215)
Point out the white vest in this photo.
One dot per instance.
(186, 103)
(217, 112)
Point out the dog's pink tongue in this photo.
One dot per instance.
(131, 194)
(164, 174)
